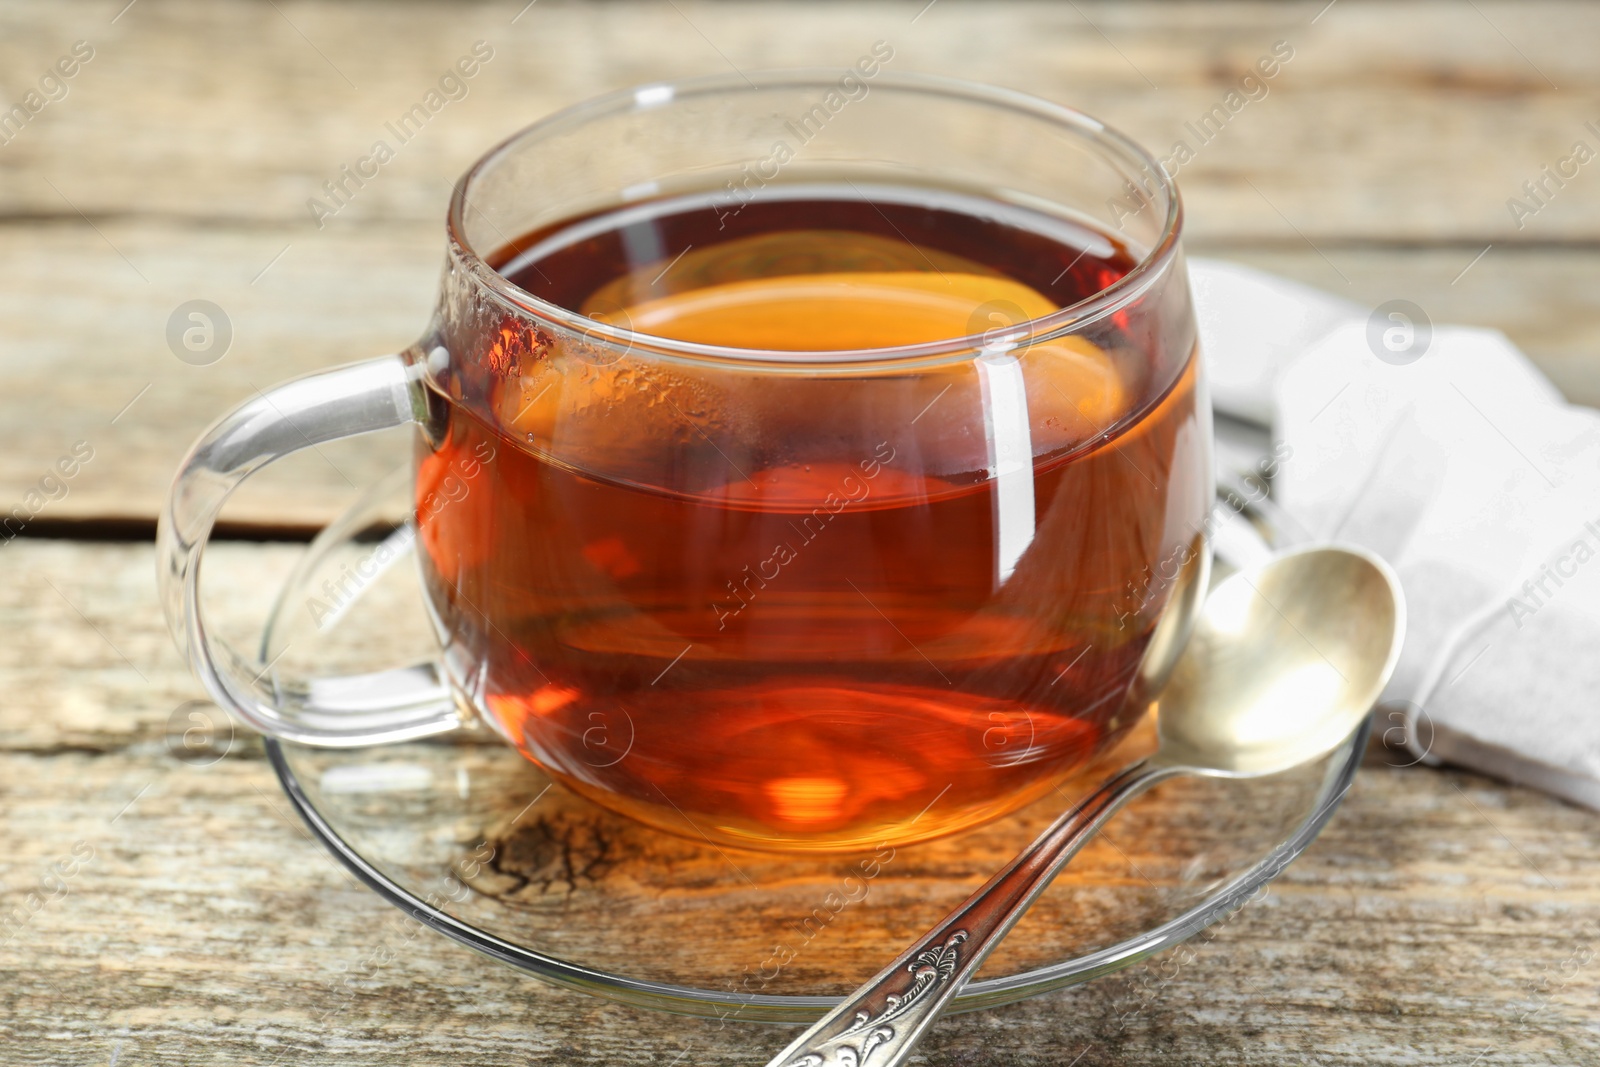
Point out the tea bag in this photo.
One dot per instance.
(1481, 485)
(1469, 473)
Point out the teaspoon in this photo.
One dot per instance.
(1285, 661)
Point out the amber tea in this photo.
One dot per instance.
(775, 600)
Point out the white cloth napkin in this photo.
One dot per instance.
(1467, 471)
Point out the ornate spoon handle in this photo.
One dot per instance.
(885, 1019)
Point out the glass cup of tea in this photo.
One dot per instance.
(804, 461)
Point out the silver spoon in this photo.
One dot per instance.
(1285, 661)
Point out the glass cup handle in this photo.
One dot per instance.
(367, 709)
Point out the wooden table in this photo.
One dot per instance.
(1441, 919)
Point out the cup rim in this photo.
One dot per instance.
(1150, 267)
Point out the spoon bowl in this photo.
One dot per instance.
(1271, 677)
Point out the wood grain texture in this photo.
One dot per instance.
(1393, 121)
(86, 337)
(1439, 918)
(178, 165)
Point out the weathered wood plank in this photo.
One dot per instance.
(86, 336)
(88, 356)
(1383, 122)
(1440, 917)
(1392, 121)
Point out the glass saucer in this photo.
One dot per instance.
(467, 838)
